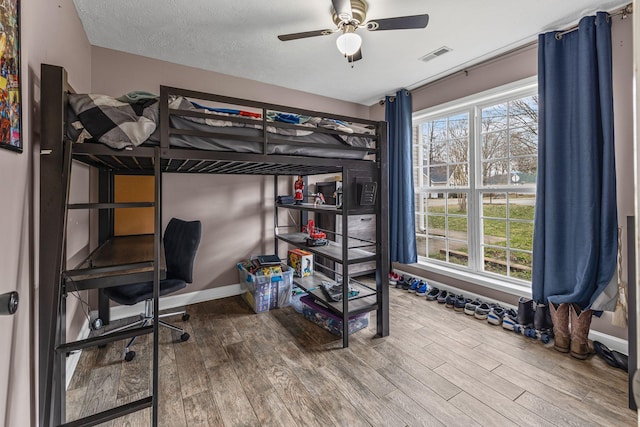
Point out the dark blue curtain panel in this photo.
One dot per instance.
(402, 229)
(575, 228)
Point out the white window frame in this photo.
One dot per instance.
(473, 104)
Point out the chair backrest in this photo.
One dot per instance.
(181, 240)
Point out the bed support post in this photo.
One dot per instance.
(275, 213)
(52, 220)
(164, 120)
(382, 272)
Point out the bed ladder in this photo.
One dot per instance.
(55, 172)
(54, 313)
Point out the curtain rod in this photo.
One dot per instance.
(624, 12)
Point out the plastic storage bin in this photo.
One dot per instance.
(264, 293)
(296, 294)
(329, 320)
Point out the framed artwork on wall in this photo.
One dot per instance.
(10, 94)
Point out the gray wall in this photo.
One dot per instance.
(52, 33)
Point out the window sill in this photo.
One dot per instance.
(477, 279)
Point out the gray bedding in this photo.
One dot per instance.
(120, 124)
(316, 144)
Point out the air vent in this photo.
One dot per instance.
(438, 52)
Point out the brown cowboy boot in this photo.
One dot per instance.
(580, 324)
(560, 318)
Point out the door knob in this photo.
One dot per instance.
(8, 303)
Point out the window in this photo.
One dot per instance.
(475, 166)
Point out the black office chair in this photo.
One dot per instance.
(181, 240)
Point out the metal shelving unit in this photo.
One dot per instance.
(347, 254)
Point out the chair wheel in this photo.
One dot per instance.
(185, 336)
(185, 317)
(129, 356)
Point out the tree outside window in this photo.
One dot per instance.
(475, 173)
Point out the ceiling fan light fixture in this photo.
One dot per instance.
(348, 43)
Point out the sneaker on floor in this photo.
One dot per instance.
(400, 282)
(470, 307)
(432, 295)
(460, 303)
(442, 297)
(450, 302)
(407, 283)
(414, 285)
(482, 311)
(393, 278)
(495, 315)
(510, 319)
(422, 289)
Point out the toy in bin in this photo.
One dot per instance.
(301, 262)
(316, 237)
(321, 316)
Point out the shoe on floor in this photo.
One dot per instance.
(525, 311)
(509, 319)
(460, 303)
(393, 278)
(422, 289)
(442, 297)
(407, 283)
(414, 285)
(612, 357)
(470, 307)
(432, 295)
(400, 282)
(451, 300)
(495, 315)
(482, 311)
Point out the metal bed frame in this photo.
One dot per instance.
(56, 155)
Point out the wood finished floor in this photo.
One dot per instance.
(438, 367)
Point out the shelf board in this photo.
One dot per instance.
(311, 208)
(364, 302)
(359, 210)
(332, 250)
(111, 205)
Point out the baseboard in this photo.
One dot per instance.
(614, 343)
(124, 311)
(74, 358)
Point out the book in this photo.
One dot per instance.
(268, 259)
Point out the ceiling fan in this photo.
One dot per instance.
(349, 15)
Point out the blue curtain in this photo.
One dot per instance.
(575, 228)
(402, 230)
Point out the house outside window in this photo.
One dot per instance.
(475, 168)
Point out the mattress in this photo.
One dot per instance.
(249, 140)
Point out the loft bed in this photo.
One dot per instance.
(241, 137)
(186, 132)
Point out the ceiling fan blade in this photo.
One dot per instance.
(343, 9)
(398, 23)
(295, 36)
(356, 56)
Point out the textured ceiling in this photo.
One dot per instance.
(238, 37)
